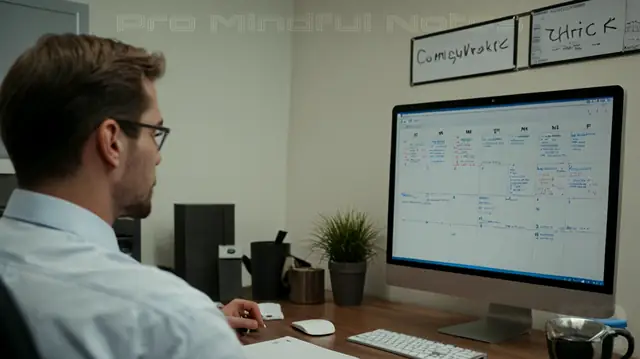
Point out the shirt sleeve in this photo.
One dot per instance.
(177, 321)
(190, 333)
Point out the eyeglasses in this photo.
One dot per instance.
(160, 132)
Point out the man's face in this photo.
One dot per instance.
(134, 190)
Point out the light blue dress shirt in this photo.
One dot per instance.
(83, 298)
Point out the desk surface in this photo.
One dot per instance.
(379, 314)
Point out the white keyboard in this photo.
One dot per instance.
(413, 347)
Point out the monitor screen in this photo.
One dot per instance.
(518, 187)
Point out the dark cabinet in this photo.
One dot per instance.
(128, 232)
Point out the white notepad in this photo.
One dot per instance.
(271, 311)
(290, 347)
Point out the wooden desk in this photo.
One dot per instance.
(379, 314)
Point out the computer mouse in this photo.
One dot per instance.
(315, 326)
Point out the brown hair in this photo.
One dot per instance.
(59, 91)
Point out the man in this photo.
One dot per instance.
(79, 118)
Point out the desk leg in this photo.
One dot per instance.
(502, 323)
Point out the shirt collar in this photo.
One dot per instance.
(52, 212)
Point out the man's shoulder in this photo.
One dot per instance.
(75, 293)
(181, 315)
(155, 289)
(130, 306)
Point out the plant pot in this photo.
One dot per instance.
(347, 282)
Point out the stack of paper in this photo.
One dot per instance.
(271, 311)
(290, 347)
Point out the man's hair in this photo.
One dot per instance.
(60, 90)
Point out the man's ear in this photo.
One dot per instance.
(109, 142)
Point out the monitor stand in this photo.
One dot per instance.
(502, 323)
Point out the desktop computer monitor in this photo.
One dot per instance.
(509, 200)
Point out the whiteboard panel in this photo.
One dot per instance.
(585, 29)
(632, 27)
(468, 51)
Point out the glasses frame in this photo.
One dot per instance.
(165, 130)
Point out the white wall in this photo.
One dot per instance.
(226, 98)
(346, 83)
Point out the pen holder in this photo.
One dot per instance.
(265, 267)
(307, 285)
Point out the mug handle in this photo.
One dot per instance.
(630, 340)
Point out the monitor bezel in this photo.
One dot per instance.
(614, 91)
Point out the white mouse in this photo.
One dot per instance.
(315, 326)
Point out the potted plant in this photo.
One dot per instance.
(347, 241)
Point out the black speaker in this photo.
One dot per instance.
(199, 230)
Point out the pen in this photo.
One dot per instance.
(244, 331)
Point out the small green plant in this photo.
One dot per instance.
(345, 237)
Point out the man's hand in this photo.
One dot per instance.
(243, 314)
